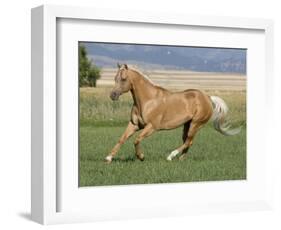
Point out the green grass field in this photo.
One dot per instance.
(212, 156)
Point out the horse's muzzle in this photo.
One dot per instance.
(114, 95)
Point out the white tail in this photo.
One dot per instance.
(220, 110)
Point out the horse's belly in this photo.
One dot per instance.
(174, 119)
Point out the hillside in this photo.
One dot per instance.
(169, 57)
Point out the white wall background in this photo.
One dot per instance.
(15, 112)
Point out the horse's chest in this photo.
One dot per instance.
(137, 117)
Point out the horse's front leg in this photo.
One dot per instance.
(147, 131)
(130, 130)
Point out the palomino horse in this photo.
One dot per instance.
(156, 108)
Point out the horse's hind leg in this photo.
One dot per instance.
(184, 136)
(189, 136)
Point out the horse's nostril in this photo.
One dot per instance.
(113, 95)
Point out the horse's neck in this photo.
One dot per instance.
(142, 90)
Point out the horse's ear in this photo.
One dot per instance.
(118, 65)
(124, 75)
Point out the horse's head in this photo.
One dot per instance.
(122, 82)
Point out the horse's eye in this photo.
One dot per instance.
(123, 79)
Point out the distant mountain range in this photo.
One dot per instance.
(169, 57)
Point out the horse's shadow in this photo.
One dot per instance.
(125, 159)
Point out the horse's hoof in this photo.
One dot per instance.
(108, 159)
(169, 158)
(140, 157)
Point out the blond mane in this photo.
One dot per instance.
(142, 74)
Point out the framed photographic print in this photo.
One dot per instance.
(140, 114)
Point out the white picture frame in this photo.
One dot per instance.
(46, 182)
